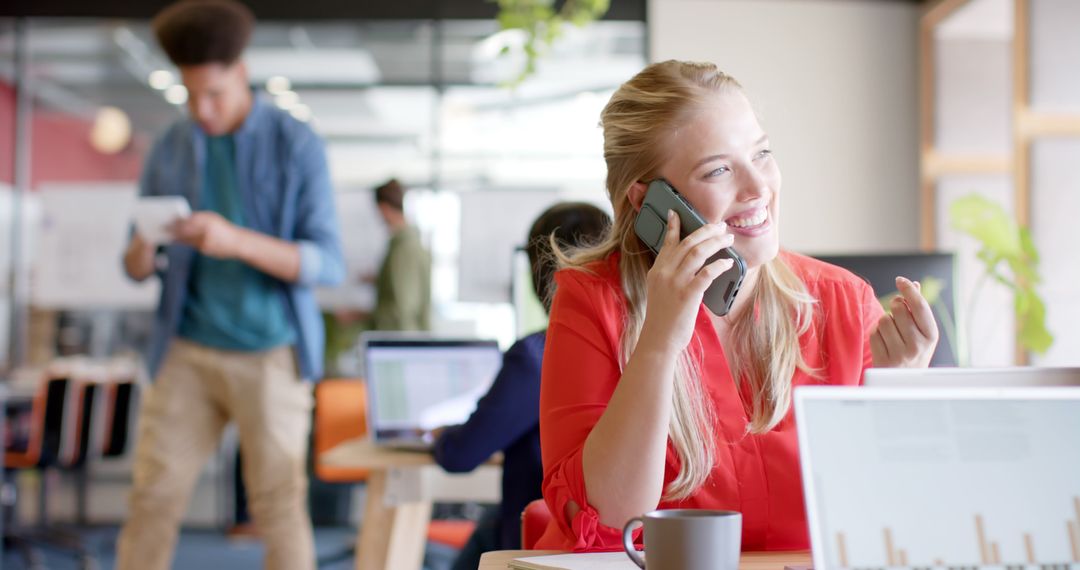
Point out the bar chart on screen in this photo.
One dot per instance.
(988, 553)
(967, 484)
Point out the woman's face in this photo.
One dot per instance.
(720, 161)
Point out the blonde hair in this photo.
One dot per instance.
(640, 116)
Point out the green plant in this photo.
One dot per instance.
(543, 23)
(1009, 257)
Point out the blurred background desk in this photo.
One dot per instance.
(401, 487)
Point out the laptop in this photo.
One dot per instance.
(418, 383)
(999, 377)
(941, 477)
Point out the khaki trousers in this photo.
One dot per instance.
(197, 392)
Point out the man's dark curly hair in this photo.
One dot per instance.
(197, 32)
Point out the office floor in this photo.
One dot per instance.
(211, 550)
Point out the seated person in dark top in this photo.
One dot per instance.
(507, 417)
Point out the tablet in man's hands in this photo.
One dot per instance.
(154, 214)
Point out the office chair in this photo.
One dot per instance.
(880, 271)
(57, 425)
(340, 416)
(120, 400)
(534, 521)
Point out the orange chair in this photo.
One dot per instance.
(27, 454)
(341, 415)
(534, 521)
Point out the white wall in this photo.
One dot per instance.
(836, 85)
(1055, 51)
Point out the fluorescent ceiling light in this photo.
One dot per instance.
(161, 79)
(301, 112)
(336, 66)
(496, 44)
(176, 94)
(287, 99)
(278, 84)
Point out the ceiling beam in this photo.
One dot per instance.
(291, 10)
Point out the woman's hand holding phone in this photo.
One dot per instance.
(677, 282)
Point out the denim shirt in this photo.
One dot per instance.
(285, 191)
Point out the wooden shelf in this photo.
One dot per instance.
(935, 164)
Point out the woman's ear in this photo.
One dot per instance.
(637, 194)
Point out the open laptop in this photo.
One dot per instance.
(417, 383)
(941, 477)
(999, 377)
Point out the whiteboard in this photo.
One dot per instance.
(493, 223)
(30, 207)
(30, 212)
(363, 244)
(81, 238)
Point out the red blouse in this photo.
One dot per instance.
(757, 475)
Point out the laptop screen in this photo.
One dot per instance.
(927, 478)
(416, 385)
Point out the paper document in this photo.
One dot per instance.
(154, 214)
(583, 561)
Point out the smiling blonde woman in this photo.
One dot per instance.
(649, 400)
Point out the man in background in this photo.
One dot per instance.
(238, 328)
(403, 285)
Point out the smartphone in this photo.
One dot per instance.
(651, 226)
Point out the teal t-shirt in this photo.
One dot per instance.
(230, 305)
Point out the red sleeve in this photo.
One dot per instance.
(580, 372)
(872, 311)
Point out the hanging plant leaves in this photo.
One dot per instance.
(543, 24)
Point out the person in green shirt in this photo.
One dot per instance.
(403, 285)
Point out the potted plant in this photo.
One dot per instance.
(1009, 257)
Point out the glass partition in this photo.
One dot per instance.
(424, 101)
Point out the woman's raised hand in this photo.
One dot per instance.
(907, 337)
(677, 282)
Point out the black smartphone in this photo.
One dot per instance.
(651, 226)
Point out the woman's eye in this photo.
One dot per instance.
(764, 154)
(717, 172)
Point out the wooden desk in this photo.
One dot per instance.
(401, 487)
(499, 560)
